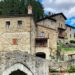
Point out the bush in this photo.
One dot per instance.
(72, 41)
(72, 69)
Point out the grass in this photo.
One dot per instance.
(68, 49)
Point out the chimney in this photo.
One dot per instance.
(29, 9)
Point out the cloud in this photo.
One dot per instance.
(65, 6)
(71, 12)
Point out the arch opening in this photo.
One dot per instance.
(41, 55)
(17, 72)
(18, 69)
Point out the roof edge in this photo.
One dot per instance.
(47, 17)
(70, 26)
(59, 14)
(12, 16)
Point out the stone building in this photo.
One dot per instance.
(65, 35)
(20, 38)
(65, 32)
(46, 32)
(69, 33)
(21, 33)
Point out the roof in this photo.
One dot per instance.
(58, 14)
(70, 26)
(47, 17)
(13, 16)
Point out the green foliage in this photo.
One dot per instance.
(72, 41)
(68, 49)
(19, 7)
(72, 69)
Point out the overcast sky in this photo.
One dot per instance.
(65, 6)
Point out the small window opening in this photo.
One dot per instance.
(7, 24)
(14, 41)
(19, 24)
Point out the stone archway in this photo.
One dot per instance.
(18, 68)
(18, 72)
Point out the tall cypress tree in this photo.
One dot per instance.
(22, 7)
(16, 7)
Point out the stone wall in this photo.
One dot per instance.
(70, 33)
(12, 60)
(25, 27)
(61, 24)
(60, 21)
(21, 34)
(25, 34)
(23, 41)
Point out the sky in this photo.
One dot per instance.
(65, 6)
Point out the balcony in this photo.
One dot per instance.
(62, 28)
(61, 33)
(61, 36)
(41, 42)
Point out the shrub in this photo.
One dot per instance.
(72, 69)
(72, 41)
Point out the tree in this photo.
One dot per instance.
(22, 7)
(10, 7)
(19, 7)
(37, 10)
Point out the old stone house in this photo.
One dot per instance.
(21, 37)
(21, 33)
(65, 32)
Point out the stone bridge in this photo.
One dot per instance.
(13, 61)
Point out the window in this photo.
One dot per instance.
(66, 34)
(61, 25)
(7, 24)
(51, 22)
(42, 34)
(41, 42)
(70, 35)
(19, 24)
(70, 56)
(60, 16)
(14, 41)
(70, 29)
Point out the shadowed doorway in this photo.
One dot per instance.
(41, 55)
(18, 72)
